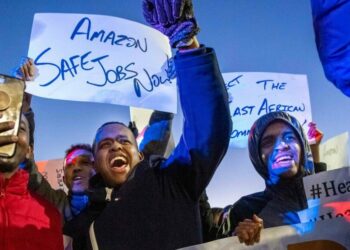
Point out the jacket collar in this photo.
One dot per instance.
(98, 190)
(16, 185)
(288, 190)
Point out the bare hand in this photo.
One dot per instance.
(7, 139)
(314, 134)
(248, 231)
(26, 70)
(314, 138)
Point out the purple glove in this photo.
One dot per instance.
(174, 18)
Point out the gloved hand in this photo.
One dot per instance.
(174, 18)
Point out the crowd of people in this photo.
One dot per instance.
(121, 196)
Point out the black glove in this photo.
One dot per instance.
(174, 18)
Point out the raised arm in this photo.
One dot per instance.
(207, 121)
(203, 97)
(37, 183)
(330, 19)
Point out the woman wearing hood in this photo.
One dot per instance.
(280, 153)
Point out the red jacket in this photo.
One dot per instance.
(26, 220)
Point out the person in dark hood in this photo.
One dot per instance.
(280, 153)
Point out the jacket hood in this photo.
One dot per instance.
(255, 135)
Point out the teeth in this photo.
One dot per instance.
(118, 158)
(283, 158)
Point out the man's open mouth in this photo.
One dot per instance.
(282, 160)
(118, 163)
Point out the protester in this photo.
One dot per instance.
(281, 154)
(155, 141)
(333, 40)
(154, 203)
(27, 220)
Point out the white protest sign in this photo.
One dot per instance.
(323, 235)
(253, 94)
(52, 170)
(338, 208)
(327, 186)
(106, 59)
(141, 118)
(334, 151)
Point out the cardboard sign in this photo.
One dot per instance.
(253, 94)
(334, 151)
(334, 209)
(141, 118)
(327, 186)
(52, 170)
(323, 235)
(106, 59)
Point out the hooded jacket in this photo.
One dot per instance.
(278, 203)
